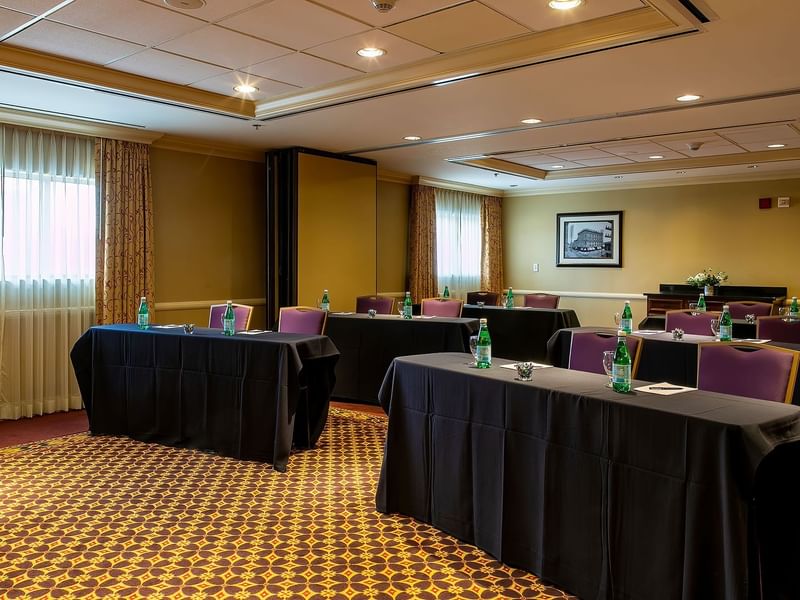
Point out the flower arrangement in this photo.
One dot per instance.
(707, 277)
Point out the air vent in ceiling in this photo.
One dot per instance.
(698, 10)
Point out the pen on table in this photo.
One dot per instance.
(664, 387)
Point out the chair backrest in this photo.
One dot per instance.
(383, 305)
(488, 298)
(542, 300)
(779, 329)
(302, 319)
(441, 307)
(242, 312)
(752, 370)
(698, 323)
(587, 347)
(740, 309)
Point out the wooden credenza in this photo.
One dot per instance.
(678, 296)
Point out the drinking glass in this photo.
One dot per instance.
(608, 364)
(715, 327)
(693, 308)
(617, 319)
(473, 347)
(400, 309)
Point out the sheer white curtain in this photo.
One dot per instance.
(458, 241)
(47, 266)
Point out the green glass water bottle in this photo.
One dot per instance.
(510, 298)
(626, 321)
(621, 373)
(484, 347)
(725, 325)
(446, 292)
(794, 310)
(325, 303)
(407, 306)
(143, 314)
(701, 303)
(229, 319)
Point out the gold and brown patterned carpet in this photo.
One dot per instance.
(108, 517)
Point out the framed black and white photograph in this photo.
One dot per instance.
(592, 239)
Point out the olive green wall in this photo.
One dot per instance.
(393, 203)
(669, 233)
(208, 215)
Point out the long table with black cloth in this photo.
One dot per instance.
(741, 328)
(369, 344)
(607, 495)
(246, 396)
(662, 358)
(521, 333)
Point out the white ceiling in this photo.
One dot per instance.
(610, 107)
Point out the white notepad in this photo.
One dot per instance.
(664, 389)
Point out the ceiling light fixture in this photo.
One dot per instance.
(655, 156)
(752, 166)
(186, 4)
(412, 138)
(531, 121)
(688, 98)
(557, 166)
(245, 88)
(370, 52)
(565, 4)
(35, 20)
(777, 146)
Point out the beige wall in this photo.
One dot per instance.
(336, 242)
(393, 203)
(668, 234)
(208, 232)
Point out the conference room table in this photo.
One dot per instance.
(521, 333)
(369, 344)
(661, 357)
(607, 495)
(741, 328)
(249, 396)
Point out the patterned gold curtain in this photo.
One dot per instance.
(422, 243)
(492, 244)
(125, 230)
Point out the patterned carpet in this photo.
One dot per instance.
(107, 517)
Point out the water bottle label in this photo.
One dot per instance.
(725, 332)
(143, 321)
(484, 354)
(621, 374)
(626, 325)
(407, 312)
(325, 306)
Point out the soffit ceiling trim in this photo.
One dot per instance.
(457, 186)
(194, 146)
(503, 166)
(602, 33)
(394, 177)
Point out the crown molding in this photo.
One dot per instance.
(455, 185)
(102, 78)
(636, 25)
(54, 122)
(196, 146)
(394, 177)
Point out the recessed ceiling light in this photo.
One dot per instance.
(680, 172)
(245, 88)
(688, 98)
(412, 138)
(186, 4)
(752, 166)
(618, 176)
(655, 156)
(777, 146)
(564, 4)
(557, 167)
(531, 121)
(371, 52)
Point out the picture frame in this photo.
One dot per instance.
(589, 239)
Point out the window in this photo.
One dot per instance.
(458, 241)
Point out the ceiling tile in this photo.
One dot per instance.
(70, 42)
(710, 145)
(604, 162)
(223, 47)
(10, 19)
(580, 154)
(213, 10)
(398, 51)
(224, 84)
(537, 15)
(758, 146)
(459, 27)
(31, 7)
(130, 20)
(632, 147)
(296, 24)
(167, 67)
(403, 11)
(302, 70)
(667, 154)
(767, 134)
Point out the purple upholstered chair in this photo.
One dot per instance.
(587, 347)
(302, 319)
(488, 298)
(698, 323)
(542, 300)
(383, 305)
(740, 309)
(752, 370)
(441, 307)
(778, 329)
(242, 312)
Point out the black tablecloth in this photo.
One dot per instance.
(248, 396)
(607, 495)
(661, 359)
(522, 333)
(741, 328)
(368, 345)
